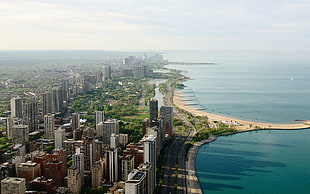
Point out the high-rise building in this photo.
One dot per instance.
(75, 123)
(123, 139)
(97, 174)
(60, 137)
(20, 134)
(57, 99)
(49, 125)
(16, 107)
(110, 126)
(99, 117)
(145, 125)
(29, 170)
(114, 142)
(78, 161)
(149, 149)
(153, 109)
(167, 113)
(9, 126)
(107, 72)
(74, 180)
(136, 183)
(113, 165)
(30, 114)
(12, 185)
(47, 103)
(128, 164)
(147, 169)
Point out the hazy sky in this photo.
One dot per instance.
(154, 25)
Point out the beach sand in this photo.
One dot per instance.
(245, 125)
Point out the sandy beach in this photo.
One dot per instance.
(180, 102)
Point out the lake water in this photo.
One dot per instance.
(275, 161)
(255, 86)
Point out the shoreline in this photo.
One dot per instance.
(193, 185)
(181, 103)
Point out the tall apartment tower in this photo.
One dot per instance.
(167, 113)
(147, 169)
(60, 137)
(78, 161)
(153, 109)
(128, 164)
(113, 165)
(75, 121)
(110, 126)
(47, 103)
(136, 183)
(30, 114)
(107, 72)
(9, 126)
(114, 141)
(57, 99)
(97, 174)
(16, 107)
(74, 180)
(149, 154)
(20, 134)
(49, 125)
(12, 185)
(99, 117)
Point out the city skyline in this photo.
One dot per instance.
(162, 25)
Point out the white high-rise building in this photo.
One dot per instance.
(149, 156)
(49, 125)
(60, 137)
(16, 107)
(99, 117)
(114, 141)
(136, 183)
(113, 165)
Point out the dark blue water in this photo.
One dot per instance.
(276, 161)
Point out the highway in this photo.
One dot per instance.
(174, 156)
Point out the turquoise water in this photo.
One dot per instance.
(272, 92)
(254, 86)
(275, 161)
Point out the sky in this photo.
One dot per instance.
(128, 25)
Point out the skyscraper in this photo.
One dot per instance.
(136, 183)
(149, 149)
(110, 126)
(16, 107)
(99, 117)
(47, 103)
(60, 137)
(9, 126)
(20, 134)
(30, 114)
(57, 99)
(113, 165)
(78, 161)
(75, 121)
(74, 180)
(153, 109)
(167, 113)
(49, 125)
